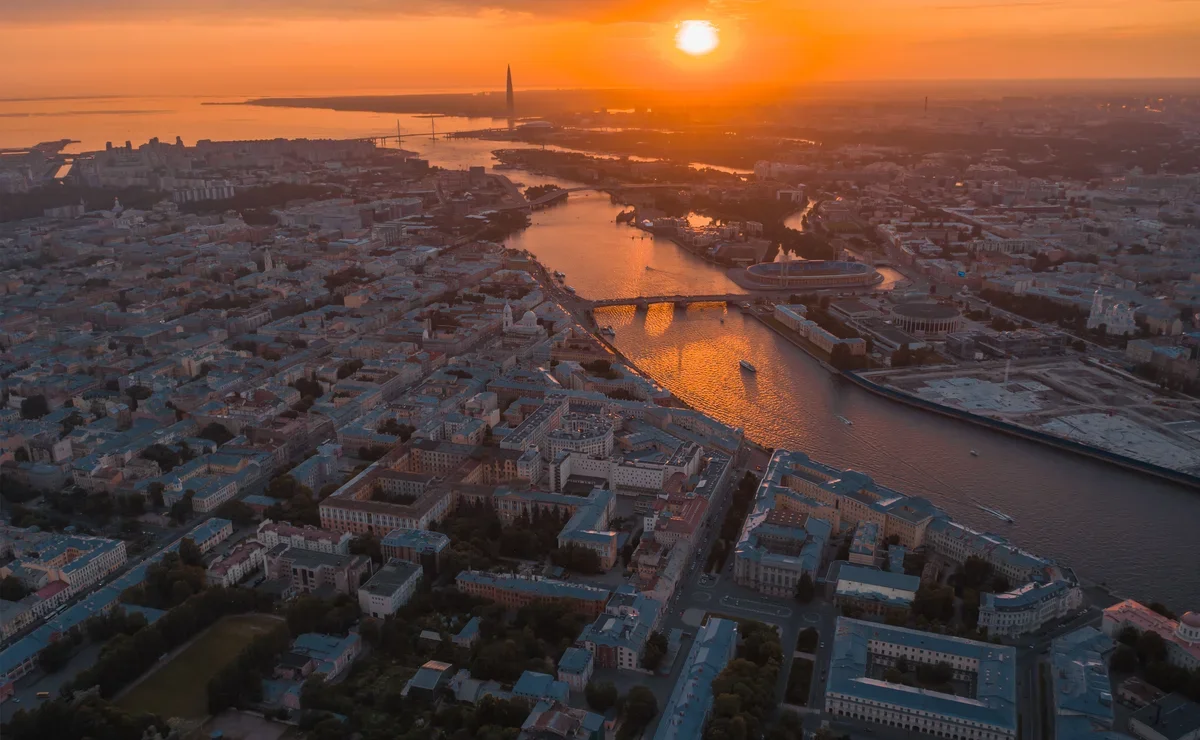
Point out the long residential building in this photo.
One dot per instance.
(241, 562)
(306, 537)
(959, 542)
(514, 592)
(691, 702)
(983, 705)
(65, 565)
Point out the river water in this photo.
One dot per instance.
(1134, 533)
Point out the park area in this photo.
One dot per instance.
(178, 688)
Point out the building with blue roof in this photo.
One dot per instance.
(429, 679)
(1083, 700)
(469, 634)
(982, 707)
(617, 638)
(588, 522)
(778, 544)
(281, 693)
(1172, 717)
(1027, 608)
(575, 668)
(329, 654)
(534, 687)
(874, 591)
(588, 527)
(421, 546)
(259, 502)
(19, 659)
(210, 533)
(514, 591)
(151, 615)
(691, 701)
(845, 498)
(865, 541)
(959, 542)
(65, 565)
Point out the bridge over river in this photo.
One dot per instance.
(684, 300)
(554, 196)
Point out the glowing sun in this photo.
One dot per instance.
(696, 37)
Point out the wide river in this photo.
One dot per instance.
(1133, 533)
(1136, 534)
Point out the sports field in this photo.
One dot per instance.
(178, 688)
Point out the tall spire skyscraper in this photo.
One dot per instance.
(508, 96)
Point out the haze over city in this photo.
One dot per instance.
(600, 370)
(221, 47)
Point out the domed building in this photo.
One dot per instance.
(926, 319)
(1189, 628)
(1182, 637)
(527, 326)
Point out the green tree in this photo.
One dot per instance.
(239, 512)
(348, 368)
(367, 544)
(1151, 648)
(13, 589)
(189, 553)
(88, 717)
(655, 651)
(640, 706)
(214, 432)
(601, 696)
(1128, 635)
(1124, 659)
(1159, 607)
(34, 407)
(55, 656)
(804, 588)
(807, 640)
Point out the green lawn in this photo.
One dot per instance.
(179, 688)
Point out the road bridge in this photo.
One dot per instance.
(553, 196)
(685, 300)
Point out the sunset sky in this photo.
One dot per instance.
(263, 47)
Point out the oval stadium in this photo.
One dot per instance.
(802, 274)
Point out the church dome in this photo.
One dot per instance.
(1189, 627)
(529, 319)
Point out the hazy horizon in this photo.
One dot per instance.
(979, 88)
(271, 47)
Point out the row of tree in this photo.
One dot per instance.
(90, 717)
(745, 690)
(731, 527)
(125, 657)
(239, 683)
